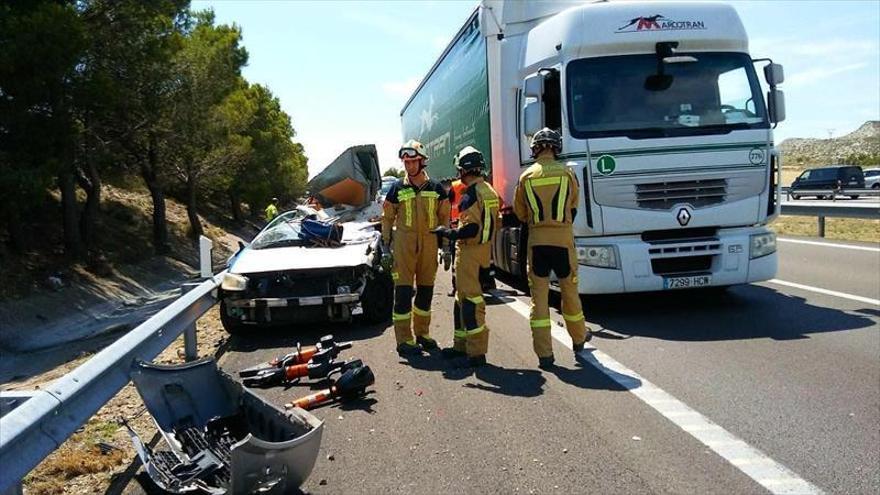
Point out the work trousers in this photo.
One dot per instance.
(415, 265)
(471, 335)
(562, 261)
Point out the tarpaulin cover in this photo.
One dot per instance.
(352, 179)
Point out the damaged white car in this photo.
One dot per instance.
(321, 261)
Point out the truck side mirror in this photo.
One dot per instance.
(776, 105)
(774, 74)
(533, 111)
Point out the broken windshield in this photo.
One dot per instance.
(283, 231)
(707, 93)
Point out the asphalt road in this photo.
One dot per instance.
(784, 373)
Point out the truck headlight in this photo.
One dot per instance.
(233, 283)
(598, 256)
(762, 245)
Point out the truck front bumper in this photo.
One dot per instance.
(641, 263)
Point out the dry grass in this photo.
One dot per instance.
(79, 456)
(847, 229)
(79, 466)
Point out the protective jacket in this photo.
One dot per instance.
(410, 213)
(478, 223)
(546, 200)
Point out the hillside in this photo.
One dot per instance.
(860, 147)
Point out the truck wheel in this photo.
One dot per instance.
(230, 324)
(377, 299)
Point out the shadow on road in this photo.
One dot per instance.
(591, 374)
(509, 381)
(287, 337)
(743, 312)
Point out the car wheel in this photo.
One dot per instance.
(795, 197)
(876, 185)
(377, 300)
(854, 197)
(230, 324)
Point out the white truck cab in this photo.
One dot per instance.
(664, 122)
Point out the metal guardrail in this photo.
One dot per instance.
(833, 193)
(870, 211)
(37, 422)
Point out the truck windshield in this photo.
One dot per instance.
(704, 93)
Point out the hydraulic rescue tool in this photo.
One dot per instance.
(352, 384)
(321, 365)
(302, 355)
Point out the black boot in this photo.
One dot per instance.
(427, 343)
(408, 350)
(546, 363)
(452, 353)
(477, 361)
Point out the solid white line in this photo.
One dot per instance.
(819, 290)
(773, 476)
(830, 244)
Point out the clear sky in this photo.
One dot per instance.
(344, 69)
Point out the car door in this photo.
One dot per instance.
(803, 180)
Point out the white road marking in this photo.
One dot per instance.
(773, 476)
(830, 244)
(819, 290)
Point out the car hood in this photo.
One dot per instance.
(357, 249)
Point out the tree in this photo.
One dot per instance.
(275, 166)
(141, 43)
(209, 69)
(393, 172)
(43, 43)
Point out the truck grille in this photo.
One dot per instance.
(687, 264)
(665, 195)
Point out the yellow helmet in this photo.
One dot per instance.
(411, 149)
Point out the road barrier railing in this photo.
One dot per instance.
(850, 209)
(35, 423)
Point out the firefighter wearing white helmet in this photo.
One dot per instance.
(413, 208)
(477, 224)
(546, 200)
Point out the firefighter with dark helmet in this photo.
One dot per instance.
(413, 208)
(478, 221)
(546, 200)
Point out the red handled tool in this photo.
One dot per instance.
(351, 385)
(302, 355)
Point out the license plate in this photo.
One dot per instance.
(687, 282)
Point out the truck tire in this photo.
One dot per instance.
(377, 299)
(230, 324)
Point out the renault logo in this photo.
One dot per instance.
(683, 217)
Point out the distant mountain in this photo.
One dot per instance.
(860, 147)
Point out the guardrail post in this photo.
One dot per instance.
(205, 247)
(821, 225)
(190, 340)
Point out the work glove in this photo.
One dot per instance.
(446, 232)
(387, 260)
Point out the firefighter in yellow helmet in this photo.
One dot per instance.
(413, 208)
(478, 221)
(546, 200)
